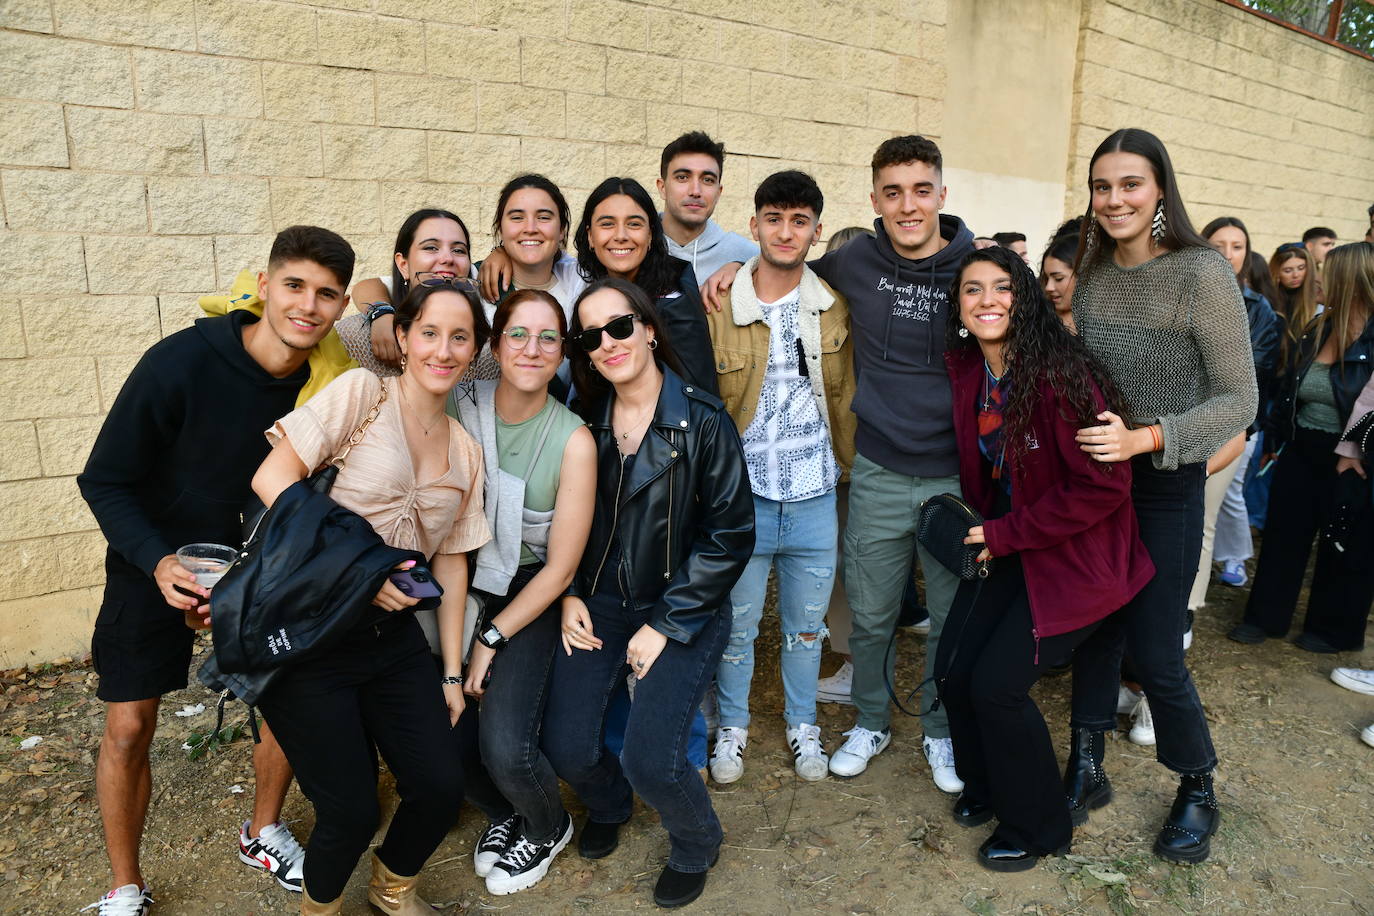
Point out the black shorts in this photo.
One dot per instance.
(141, 647)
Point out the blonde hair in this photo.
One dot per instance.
(1348, 279)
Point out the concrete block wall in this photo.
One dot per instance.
(151, 148)
(1261, 122)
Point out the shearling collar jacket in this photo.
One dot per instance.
(739, 338)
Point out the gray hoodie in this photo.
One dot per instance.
(712, 250)
(898, 310)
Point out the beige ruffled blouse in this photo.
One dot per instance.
(378, 481)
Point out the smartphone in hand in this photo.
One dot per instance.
(417, 582)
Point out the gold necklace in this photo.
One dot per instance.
(644, 416)
(416, 414)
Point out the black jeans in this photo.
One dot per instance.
(654, 761)
(987, 663)
(1150, 628)
(1302, 502)
(511, 714)
(376, 691)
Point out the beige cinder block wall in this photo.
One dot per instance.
(151, 148)
(1262, 123)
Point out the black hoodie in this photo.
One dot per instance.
(175, 458)
(898, 309)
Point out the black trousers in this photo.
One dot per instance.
(987, 663)
(375, 692)
(1168, 505)
(1303, 501)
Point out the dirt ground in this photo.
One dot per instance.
(1297, 832)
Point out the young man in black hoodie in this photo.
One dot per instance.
(897, 284)
(172, 466)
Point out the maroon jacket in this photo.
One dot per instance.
(1071, 520)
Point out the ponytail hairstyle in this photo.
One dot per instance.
(1039, 350)
(405, 237)
(1178, 229)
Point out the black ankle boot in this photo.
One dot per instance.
(1085, 782)
(1187, 834)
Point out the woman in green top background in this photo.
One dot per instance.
(1312, 493)
(1163, 313)
(540, 490)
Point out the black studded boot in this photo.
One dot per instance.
(1187, 834)
(1085, 782)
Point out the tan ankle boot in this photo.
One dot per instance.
(312, 907)
(394, 894)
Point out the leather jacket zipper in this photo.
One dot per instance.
(668, 553)
(615, 518)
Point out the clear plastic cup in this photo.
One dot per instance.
(207, 562)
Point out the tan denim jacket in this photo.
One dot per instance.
(739, 338)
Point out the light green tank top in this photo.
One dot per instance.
(1317, 400)
(515, 445)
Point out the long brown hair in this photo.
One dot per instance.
(1348, 279)
(1298, 307)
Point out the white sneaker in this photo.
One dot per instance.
(525, 864)
(1360, 680)
(1126, 700)
(129, 900)
(836, 688)
(811, 764)
(494, 842)
(1188, 633)
(863, 745)
(727, 759)
(1142, 724)
(940, 756)
(1367, 736)
(276, 852)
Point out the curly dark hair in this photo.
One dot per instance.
(1038, 348)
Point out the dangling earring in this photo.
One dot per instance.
(403, 362)
(963, 331)
(653, 343)
(1158, 227)
(1090, 245)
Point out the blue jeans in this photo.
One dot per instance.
(1150, 627)
(798, 539)
(653, 763)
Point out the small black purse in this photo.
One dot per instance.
(941, 528)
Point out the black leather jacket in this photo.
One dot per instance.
(683, 516)
(320, 567)
(1348, 377)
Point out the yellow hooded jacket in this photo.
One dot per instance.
(328, 360)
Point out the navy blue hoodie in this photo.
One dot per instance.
(898, 309)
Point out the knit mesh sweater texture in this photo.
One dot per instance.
(1174, 335)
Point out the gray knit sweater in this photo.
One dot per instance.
(1174, 336)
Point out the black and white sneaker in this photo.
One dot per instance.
(525, 864)
(276, 852)
(495, 842)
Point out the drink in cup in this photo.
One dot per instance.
(207, 562)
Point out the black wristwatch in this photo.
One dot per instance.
(492, 638)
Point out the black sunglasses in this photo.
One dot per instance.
(619, 329)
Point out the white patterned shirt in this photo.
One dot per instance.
(786, 446)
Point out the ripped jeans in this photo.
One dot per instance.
(798, 539)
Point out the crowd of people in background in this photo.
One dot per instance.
(535, 501)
